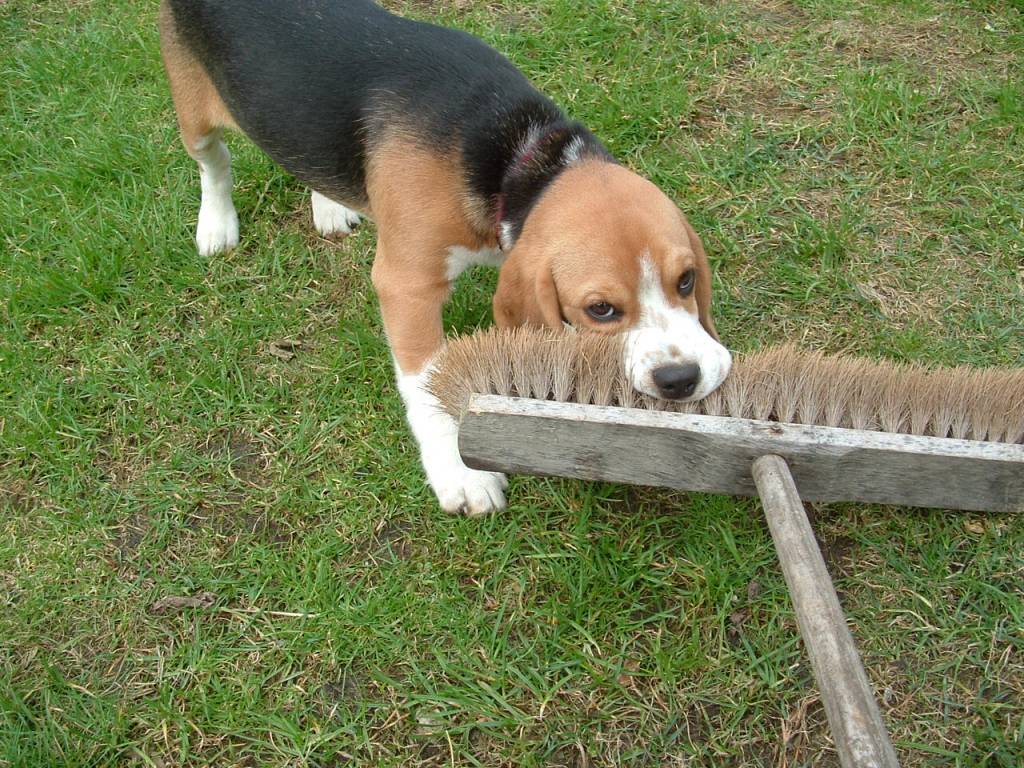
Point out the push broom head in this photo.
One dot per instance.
(780, 384)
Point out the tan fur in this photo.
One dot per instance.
(702, 290)
(776, 384)
(417, 200)
(582, 244)
(200, 109)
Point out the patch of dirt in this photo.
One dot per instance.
(390, 541)
(247, 460)
(345, 283)
(628, 502)
(767, 101)
(394, 537)
(934, 44)
(649, 605)
(568, 756)
(804, 736)
(823, 204)
(425, 6)
(898, 302)
(742, 91)
(481, 744)
(892, 231)
(746, 612)
(632, 500)
(219, 509)
(783, 14)
(231, 515)
(10, 592)
(506, 17)
(838, 551)
(739, 94)
(284, 349)
(701, 720)
(175, 603)
(129, 537)
(347, 692)
(116, 458)
(17, 499)
(261, 526)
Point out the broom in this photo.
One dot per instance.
(838, 428)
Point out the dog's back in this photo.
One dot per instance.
(310, 81)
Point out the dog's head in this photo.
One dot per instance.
(605, 250)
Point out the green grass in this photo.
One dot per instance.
(856, 169)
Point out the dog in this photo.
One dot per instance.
(459, 160)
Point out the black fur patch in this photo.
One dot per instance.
(553, 149)
(317, 83)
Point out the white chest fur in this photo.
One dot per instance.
(460, 258)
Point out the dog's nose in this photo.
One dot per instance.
(674, 382)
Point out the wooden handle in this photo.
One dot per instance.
(857, 727)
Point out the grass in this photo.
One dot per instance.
(855, 167)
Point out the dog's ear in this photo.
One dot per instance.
(526, 292)
(703, 290)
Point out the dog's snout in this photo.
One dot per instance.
(674, 382)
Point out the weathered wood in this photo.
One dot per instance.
(714, 454)
(857, 727)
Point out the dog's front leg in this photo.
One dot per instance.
(411, 297)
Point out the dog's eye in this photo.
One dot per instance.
(686, 282)
(602, 311)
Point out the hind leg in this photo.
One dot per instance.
(332, 219)
(201, 116)
(217, 229)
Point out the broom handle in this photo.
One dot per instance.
(857, 727)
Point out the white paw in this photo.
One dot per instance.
(459, 489)
(331, 218)
(217, 230)
(466, 491)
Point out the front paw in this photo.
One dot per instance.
(217, 230)
(471, 492)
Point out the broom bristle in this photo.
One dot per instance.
(777, 384)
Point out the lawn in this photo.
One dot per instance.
(227, 430)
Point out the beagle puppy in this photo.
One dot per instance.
(459, 161)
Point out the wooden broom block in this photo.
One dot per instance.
(715, 453)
